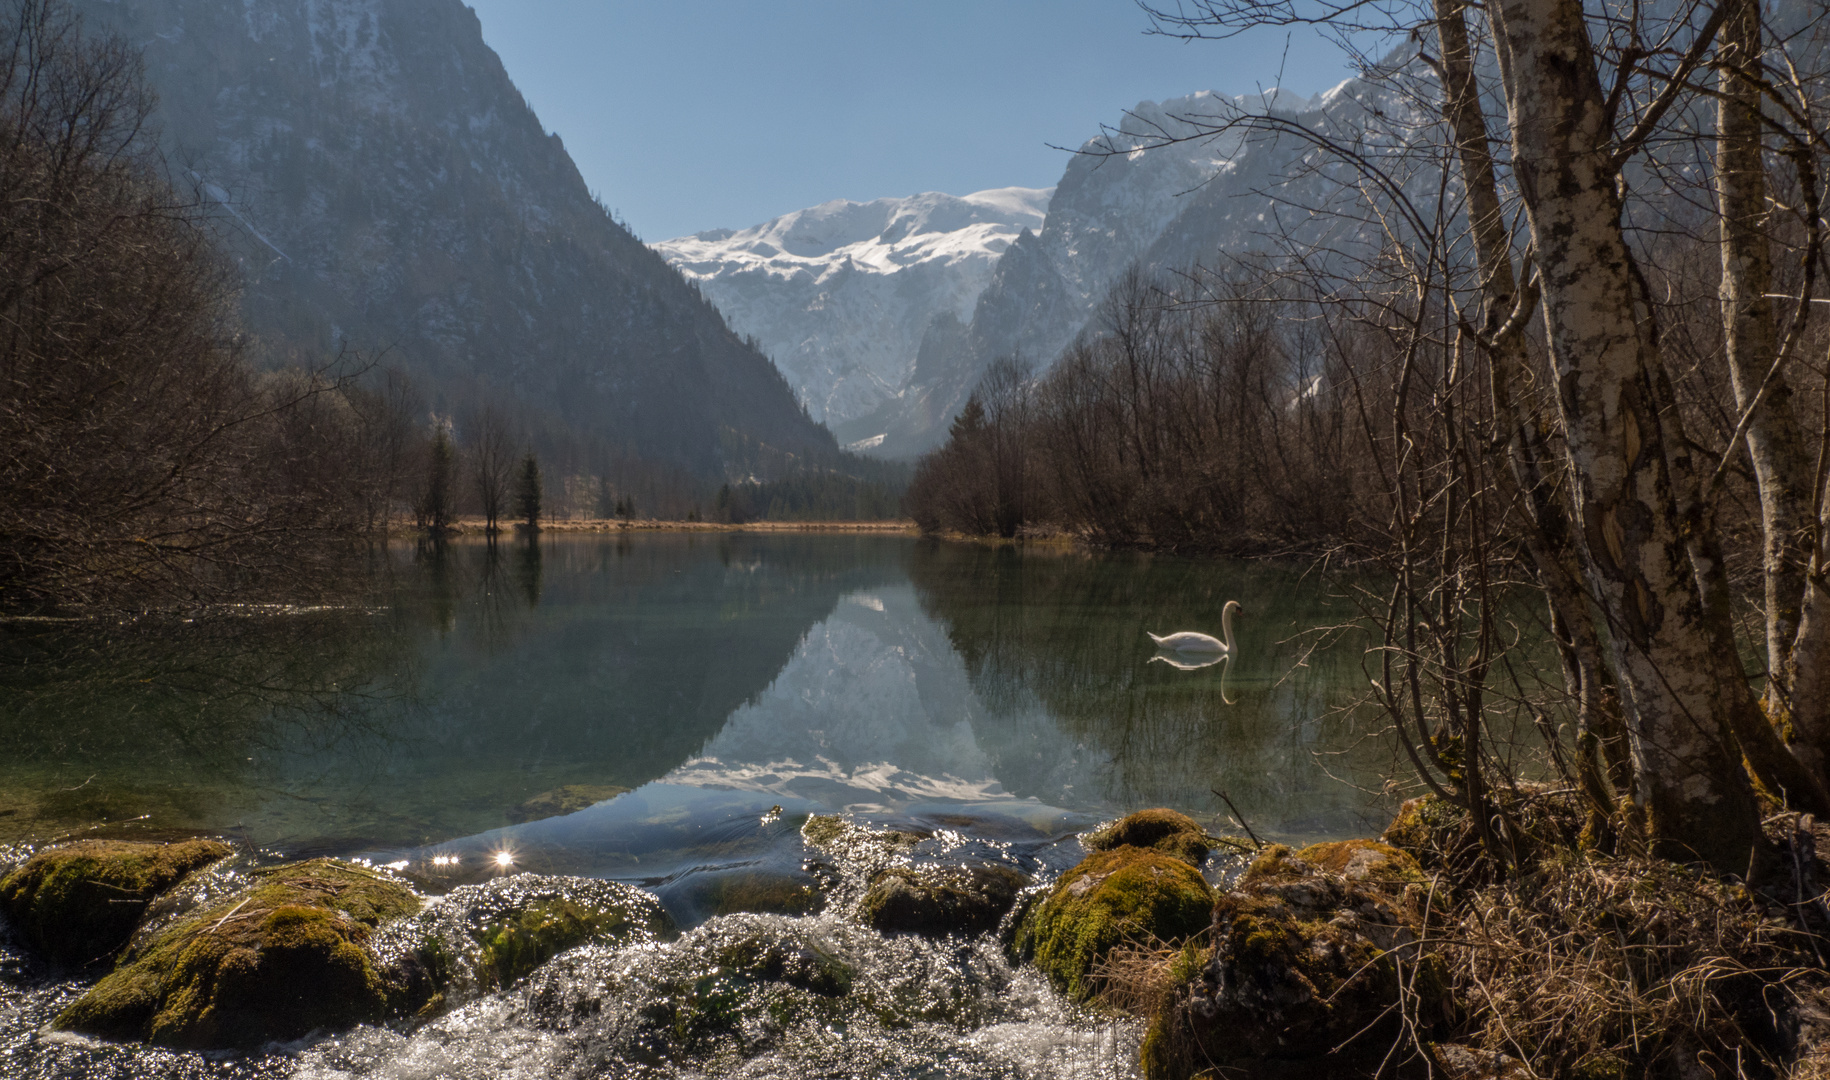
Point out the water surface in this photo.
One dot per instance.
(999, 699)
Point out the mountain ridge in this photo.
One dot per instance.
(842, 294)
(388, 188)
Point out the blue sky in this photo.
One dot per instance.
(701, 114)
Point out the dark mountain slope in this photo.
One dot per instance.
(388, 187)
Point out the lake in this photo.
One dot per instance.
(666, 709)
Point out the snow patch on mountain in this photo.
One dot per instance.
(841, 294)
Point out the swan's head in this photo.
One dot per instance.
(1231, 605)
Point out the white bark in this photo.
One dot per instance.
(1629, 519)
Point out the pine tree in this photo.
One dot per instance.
(435, 510)
(527, 496)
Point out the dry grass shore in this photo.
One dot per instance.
(475, 526)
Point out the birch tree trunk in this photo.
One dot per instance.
(1631, 527)
(1549, 541)
(1783, 469)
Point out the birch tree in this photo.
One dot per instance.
(1619, 502)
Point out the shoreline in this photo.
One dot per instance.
(472, 528)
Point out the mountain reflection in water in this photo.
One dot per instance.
(877, 674)
(669, 710)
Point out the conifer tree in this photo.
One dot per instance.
(527, 496)
(435, 510)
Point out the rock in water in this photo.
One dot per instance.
(1127, 894)
(1306, 960)
(939, 901)
(283, 957)
(491, 936)
(79, 903)
(1167, 831)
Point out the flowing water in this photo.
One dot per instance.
(666, 710)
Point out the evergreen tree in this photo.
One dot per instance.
(436, 507)
(527, 496)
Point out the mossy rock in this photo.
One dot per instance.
(1167, 831)
(1303, 959)
(711, 894)
(563, 800)
(1363, 860)
(834, 834)
(79, 903)
(941, 901)
(1127, 894)
(281, 958)
(1429, 829)
(518, 940)
(746, 980)
(481, 938)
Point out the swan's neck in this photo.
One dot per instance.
(1226, 627)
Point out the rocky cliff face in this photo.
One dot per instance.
(1134, 197)
(386, 187)
(842, 294)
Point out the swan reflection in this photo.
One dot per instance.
(1183, 662)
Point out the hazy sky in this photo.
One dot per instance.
(695, 114)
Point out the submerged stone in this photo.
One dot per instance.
(1125, 895)
(481, 938)
(1167, 831)
(1302, 961)
(939, 901)
(726, 991)
(285, 956)
(79, 903)
(563, 800)
(710, 894)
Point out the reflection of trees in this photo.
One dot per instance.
(448, 701)
(105, 718)
(1064, 634)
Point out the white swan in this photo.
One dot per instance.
(1189, 641)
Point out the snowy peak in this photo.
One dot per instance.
(841, 294)
(882, 236)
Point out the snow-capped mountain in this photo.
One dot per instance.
(385, 185)
(1149, 192)
(840, 295)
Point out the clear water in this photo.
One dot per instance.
(999, 700)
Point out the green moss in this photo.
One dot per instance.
(1428, 829)
(762, 893)
(1363, 860)
(1601, 1067)
(78, 904)
(1125, 894)
(1167, 831)
(823, 829)
(521, 942)
(563, 800)
(280, 958)
(936, 902)
(1276, 862)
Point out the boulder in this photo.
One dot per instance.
(1167, 831)
(79, 903)
(936, 901)
(711, 893)
(1305, 960)
(284, 956)
(1125, 895)
(488, 937)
